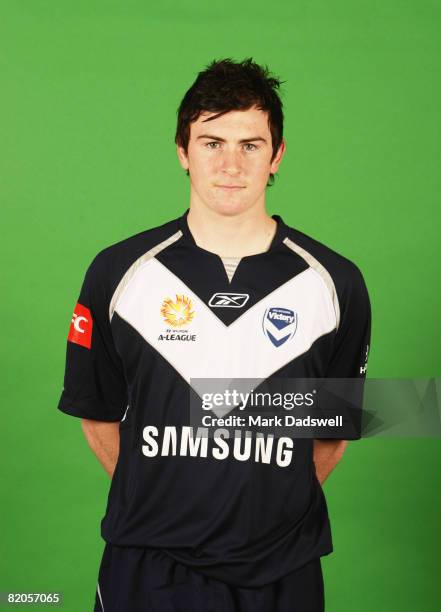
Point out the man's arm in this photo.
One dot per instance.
(103, 439)
(326, 455)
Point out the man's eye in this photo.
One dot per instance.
(213, 145)
(249, 146)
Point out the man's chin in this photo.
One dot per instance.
(229, 208)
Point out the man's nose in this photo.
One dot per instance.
(231, 162)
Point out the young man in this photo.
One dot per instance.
(224, 291)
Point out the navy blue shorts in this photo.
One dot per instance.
(147, 580)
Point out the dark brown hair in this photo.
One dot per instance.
(226, 85)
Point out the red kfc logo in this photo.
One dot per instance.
(80, 331)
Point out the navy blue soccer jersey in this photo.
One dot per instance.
(157, 312)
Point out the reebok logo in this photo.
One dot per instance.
(228, 300)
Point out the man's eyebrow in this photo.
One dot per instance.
(242, 140)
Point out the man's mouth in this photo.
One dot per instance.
(230, 187)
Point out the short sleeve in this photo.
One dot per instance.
(352, 339)
(348, 361)
(94, 382)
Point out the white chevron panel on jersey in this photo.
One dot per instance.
(240, 350)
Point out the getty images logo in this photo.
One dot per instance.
(228, 300)
(279, 325)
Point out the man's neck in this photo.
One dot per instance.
(247, 233)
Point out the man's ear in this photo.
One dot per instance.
(182, 156)
(278, 158)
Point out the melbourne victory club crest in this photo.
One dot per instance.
(177, 314)
(279, 325)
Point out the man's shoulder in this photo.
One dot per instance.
(114, 260)
(343, 271)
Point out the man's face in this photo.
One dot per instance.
(229, 160)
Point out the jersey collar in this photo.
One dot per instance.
(279, 236)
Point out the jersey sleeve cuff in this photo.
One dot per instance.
(88, 410)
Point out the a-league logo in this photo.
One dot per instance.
(279, 325)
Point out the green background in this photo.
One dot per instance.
(88, 108)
